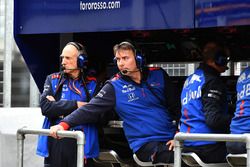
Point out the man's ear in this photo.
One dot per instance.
(210, 62)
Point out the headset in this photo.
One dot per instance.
(139, 58)
(82, 58)
(221, 59)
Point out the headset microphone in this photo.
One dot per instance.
(72, 68)
(63, 68)
(126, 71)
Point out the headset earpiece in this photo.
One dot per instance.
(82, 58)
(82, 61)
(221, 58)
(115, 61)
(140, 61)
(139, 58)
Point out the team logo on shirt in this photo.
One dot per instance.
(46, 88)
(65, 88)
(244, 88)
(245, 91)
(194, 78)
(191, 95)
(132, 97)
(154, 84)
(128, 88)
(90, 91)
(101, 93)
(243, 77)
(63, 96)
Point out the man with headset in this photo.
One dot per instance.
(144, 99)
(63, 93)
(204, 104)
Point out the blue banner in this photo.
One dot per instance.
(65, 16)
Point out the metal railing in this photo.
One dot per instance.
(180, 137)
(78, 135)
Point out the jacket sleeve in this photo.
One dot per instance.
(214, 102)
(172, 98)
(54, 109)
(92, 112)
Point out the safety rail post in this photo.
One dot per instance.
(20, 144)
(248, 149)
(180, 137)
(177, 153)
(78, 135)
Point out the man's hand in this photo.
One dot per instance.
(54, 129)
(50, 98)
(171, 144)
(80, 104)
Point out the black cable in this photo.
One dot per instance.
(85, 87)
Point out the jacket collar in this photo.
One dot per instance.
(208, 69)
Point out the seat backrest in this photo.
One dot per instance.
(141, 163)
(193, 160)
(110, 156)
(189, 159)
(237, 160)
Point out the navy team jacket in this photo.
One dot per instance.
(147, 109)
(69, 92)
(241, 121)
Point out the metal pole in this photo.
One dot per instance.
(8, 48)
(78, 135)
(177, 153)
(180, 137)
(248, 150)
(80, 148)
(34, 93)
(20, 146)
(211, 137)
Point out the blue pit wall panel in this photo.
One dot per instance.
(40, 24)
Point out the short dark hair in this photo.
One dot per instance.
(212, 48)
(124, 46)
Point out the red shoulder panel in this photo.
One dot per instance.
(55, 76)
(153, 68)
(116, 77)
(91, 78)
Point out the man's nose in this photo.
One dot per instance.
(121, 62)
(63, 61)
